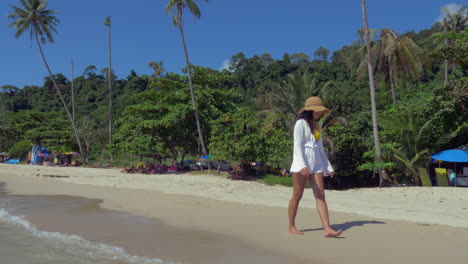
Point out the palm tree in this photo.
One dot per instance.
(383, 178)
(392, 56)
(72, 93)
(158, 68)
(288, 96)
(107, 22)
(410, 134)
(3, 109)
(446, 62)
(41, 22)
(455, 22)
(177, 7)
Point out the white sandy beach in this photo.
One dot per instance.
(437, 205)
(413, 221)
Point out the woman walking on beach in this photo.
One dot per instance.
(310, 163)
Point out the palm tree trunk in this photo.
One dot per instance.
(7, 143)
(110, 86)
(446, 62)
(383, 178)
(60, 95)
(392, 82)
(192, 93)
(72, 94)
(3, 110)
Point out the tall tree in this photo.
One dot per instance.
(454, 22)
(383, 178)
(158, 68)
(322, 53)
(3, 108)
(107, 22)
(176, 7)
(72, 93)
(288, 96)
(4, 122)
(446, 62)
(392, 56)
(41, 22)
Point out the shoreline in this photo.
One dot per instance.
(424, 205)
(195, 203)
(134, 236)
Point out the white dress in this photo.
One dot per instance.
(308, 152)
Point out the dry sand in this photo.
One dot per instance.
(432, 226)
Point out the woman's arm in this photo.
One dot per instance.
(299, 139)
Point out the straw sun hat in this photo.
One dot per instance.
(315, 104)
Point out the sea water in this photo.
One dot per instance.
(22, 243)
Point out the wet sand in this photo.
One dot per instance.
(138, 235)
(249, 226)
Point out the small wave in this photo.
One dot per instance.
(77, 245)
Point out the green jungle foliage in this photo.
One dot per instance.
(247, 112)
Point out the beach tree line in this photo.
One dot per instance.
(245, 113)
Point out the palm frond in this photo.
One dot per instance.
(193, 8)
(336, 121)
(399, 155)
(36, 17)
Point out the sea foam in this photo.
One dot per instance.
(77, 245)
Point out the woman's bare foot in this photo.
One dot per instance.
(332, 232)
(293, 230)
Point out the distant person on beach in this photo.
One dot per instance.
(310, 163)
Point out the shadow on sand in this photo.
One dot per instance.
(346, 226)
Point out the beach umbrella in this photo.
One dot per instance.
(452, 155)
(43, 155)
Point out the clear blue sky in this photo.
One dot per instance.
(142, 32)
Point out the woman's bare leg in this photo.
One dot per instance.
(298, 189)
(316, 181)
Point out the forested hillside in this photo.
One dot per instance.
(247, 112)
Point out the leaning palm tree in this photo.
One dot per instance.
(383, 178)
(41, 23)
(176, 7)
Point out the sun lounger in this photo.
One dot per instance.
(442, 180)
(424, 175)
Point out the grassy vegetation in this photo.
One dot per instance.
(270, 179)
(212, 172)
(277, 180)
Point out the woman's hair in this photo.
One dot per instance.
(308, 116)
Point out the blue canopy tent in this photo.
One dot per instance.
(456, 156)
(451, 155)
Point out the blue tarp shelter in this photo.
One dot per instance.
(457, 156)
(451, 155)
